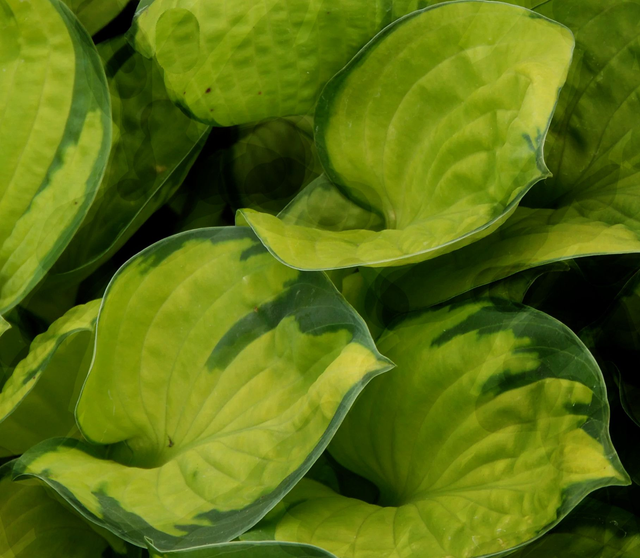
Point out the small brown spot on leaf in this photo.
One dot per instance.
(184, 92)
(170, 441)
(208, 90)
(255, 308)
(259, 92)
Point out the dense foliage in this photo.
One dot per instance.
(319, 278)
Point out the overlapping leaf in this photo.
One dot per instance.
(38, 399)
(592, 203)
(266, 549)
(437, 129)
(594, 529)
(34, 525)
(269, 164)
(492, 428)
(219, 376)
(238, 61)
(55, 131)
(153, 148)
(96, 14)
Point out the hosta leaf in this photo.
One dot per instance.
(154, 145)
(96, 14)
(269, 164)
(594, 529)
(239, 61)
(492, 428)
(55, 133)
(4, 325)
(265, 549)
(437, 127)
(201, 202)
(34, 525)
(219, 376)
(593, 151)
(37, 401)
(594, 142)
(404, 7)
(530, 238)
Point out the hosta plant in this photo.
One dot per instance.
(319, 278)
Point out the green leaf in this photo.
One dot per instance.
(239, 61)
(265, 549)
(492, 428)
(437, 127)
(219, 376)
(269, 164)
(516, 287)
(4, 326)
(531, 238)
(34, 525)
(38, 399)
(594, 152)
(594, 529)
(403, 7)
(96, 14)
(594, 142)
(153, 147)
(55, 132)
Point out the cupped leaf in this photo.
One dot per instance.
(262, 549)
(238, 61)
(219, 376)
(55, 132)
(269, 164)
(153, 147)
(492, 428)
(96, 14)
(437, 127)
(593, 151)
(38, 399)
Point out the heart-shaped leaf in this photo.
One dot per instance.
(219, 377)
(492, 428)
(55, 133)
(592, 204)
(437, 127)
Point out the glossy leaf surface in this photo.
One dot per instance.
(492, 428)
(437, 128)
(591, 205)
(219, 376)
